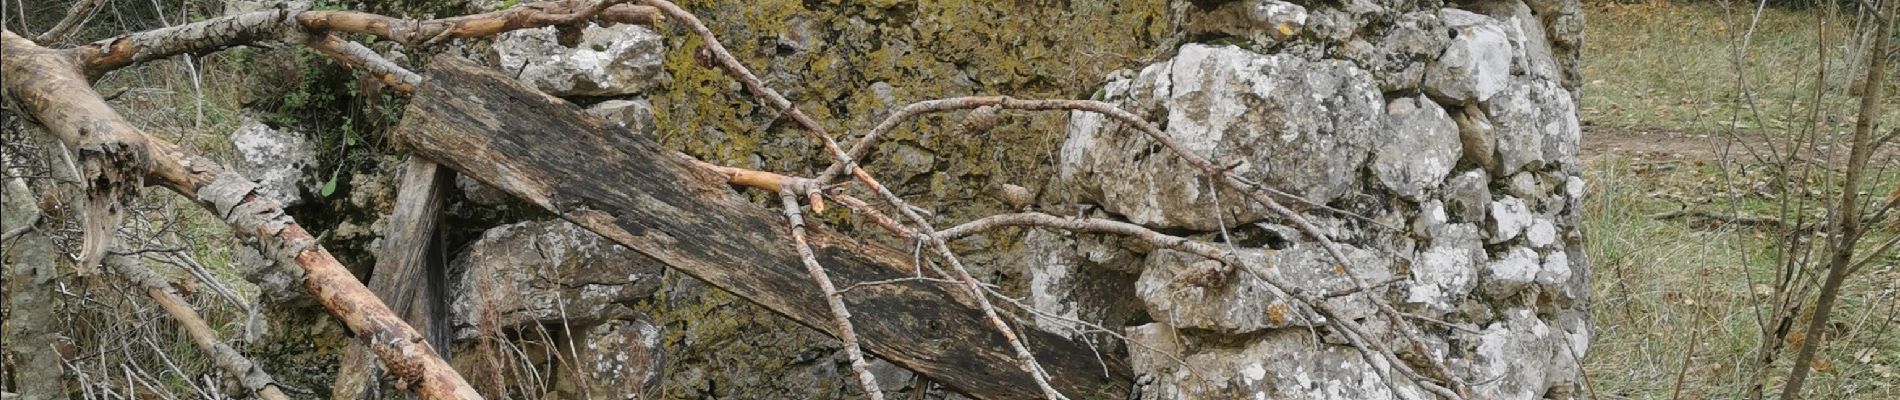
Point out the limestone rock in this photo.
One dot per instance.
(479, 192)
(1290, 123)
(547, 271)
(1400, 57)
(1249, 305)
(636, 115)
(1514, 270)
(275, 159)
(608, 61)
(1264, 22)
(1066, 284)
(1526, 355)
(1443, 274)
(1468, 195)
(1509, 217)
(1531, 48)
(1476, 63)
(617, 359)
(1536, 123)
(1417, 149)
(1281, 365)
(1478, 136)
(275, 281)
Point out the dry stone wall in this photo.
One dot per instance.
(1435, 140)
(1447, 136)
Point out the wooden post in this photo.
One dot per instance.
(410, 276)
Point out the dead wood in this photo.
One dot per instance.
(410, 275)
(630, 189)
(247, 373)
(50, 85)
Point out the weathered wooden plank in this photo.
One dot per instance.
(630, 189)
(410, 274)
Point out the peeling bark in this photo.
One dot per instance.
(50, 86)
(111, 152)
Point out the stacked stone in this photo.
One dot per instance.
(1447, 136)
(549, 276)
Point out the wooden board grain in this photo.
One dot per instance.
(642, 195)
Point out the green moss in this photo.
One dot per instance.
(826, 57)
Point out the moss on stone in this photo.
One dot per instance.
(834, 59)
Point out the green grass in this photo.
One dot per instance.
(1662, 284)
(1671, 66)
(1677, 299)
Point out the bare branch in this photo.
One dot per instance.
(525, 16)
(778, 102)
(362, 58)
(1845, 227)
(50, 87)
(247, 373)
(294, 25)
(80, 12)
(1091, 225)
(839, 314)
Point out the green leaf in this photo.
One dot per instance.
(328, 187)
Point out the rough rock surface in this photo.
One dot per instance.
(619, 359)
(547, 272)
(275, 159)
(1418, 148)
(608, 61)
(1367, 106)
(1292, 123)
(1476, 63)
(1467, 155)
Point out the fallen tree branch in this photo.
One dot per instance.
(247, 373)
(296, 25)
(1091, 225)
(80, 11)
(1743, 220)
(532, 15)
(49, 86)
(839, 314)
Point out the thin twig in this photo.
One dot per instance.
(778, 102)
(80, 12)
(839, 314)
(1223, 175)
(242, 369)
